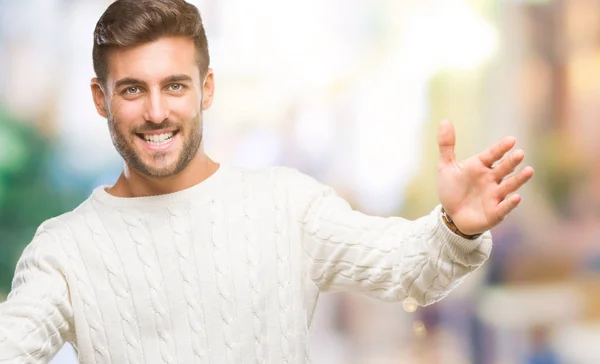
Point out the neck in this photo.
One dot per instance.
(133, 184)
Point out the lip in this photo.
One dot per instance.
(161, 147)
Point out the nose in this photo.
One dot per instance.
(157, 109)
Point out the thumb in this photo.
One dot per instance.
(446, 141)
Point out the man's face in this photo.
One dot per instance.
(153, 100)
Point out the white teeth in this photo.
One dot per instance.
(158, 138)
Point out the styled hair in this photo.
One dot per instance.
(128, 23)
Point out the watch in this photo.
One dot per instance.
(450, 224)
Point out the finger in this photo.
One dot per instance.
(507, 205)
(446, 141)
(515, 182)
(494, 153)
(508, 164)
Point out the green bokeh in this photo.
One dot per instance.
(27, 197)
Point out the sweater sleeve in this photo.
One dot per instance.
(36, 318)
(385, 258)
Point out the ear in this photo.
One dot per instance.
(99, 97)
(208, 89)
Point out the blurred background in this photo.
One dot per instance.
(351, 92)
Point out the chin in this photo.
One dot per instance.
(160, 172)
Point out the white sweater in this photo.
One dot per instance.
(227, 271)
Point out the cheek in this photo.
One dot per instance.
(126, 114)
(194, 114)
(185, 108)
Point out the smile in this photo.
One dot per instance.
(158, 141)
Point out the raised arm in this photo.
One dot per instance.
(391, 258)
(385, 258)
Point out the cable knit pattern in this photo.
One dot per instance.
(36, 335)
(140, 234)
(226, 271)
(284, 272)
(118, 283)
(223, 274)
(187, 269)
(254, 261)
(385, 258)
(88, 298)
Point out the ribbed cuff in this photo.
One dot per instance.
(458, 245)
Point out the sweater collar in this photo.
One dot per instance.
(187, 194)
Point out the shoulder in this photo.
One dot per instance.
(48, 245)
(59, 229)
(301, 189)
(279, 177)
(296, 180)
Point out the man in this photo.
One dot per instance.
(184, 260)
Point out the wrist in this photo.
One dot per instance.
(450, 224)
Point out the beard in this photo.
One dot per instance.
(125, 146)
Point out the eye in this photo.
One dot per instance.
(131, 90)
(176, 87)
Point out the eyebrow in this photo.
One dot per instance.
(177, 78)
(128, 81)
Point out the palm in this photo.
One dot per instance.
(476, 192)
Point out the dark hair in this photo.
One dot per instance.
(127, 23)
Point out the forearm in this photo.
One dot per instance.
(386, 258)
(391, 258)
(436, 263)
(32, 330)
(37, 318)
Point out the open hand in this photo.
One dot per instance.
(478, 193)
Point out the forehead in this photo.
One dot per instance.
(154, 61)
